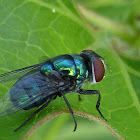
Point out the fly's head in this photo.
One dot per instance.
(95, 65)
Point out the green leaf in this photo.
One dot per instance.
(120, 18)
(31, 29)
(61, 128)
(115, 10)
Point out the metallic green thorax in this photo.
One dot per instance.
(72, 65)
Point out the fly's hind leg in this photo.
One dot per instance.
(32, 115)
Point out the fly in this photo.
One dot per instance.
(39, 84)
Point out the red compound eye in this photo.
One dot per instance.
(88, 51)
(99, 70)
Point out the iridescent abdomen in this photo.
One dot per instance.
(27, 88)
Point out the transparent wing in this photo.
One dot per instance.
(48, 86)
(16, 74)
(7, 107)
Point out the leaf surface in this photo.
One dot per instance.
(31, 29)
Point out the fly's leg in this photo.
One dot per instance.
(79, 98)
(32, 115)
(90, 92)
(66, 101)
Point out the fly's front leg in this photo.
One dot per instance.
(91, 92)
